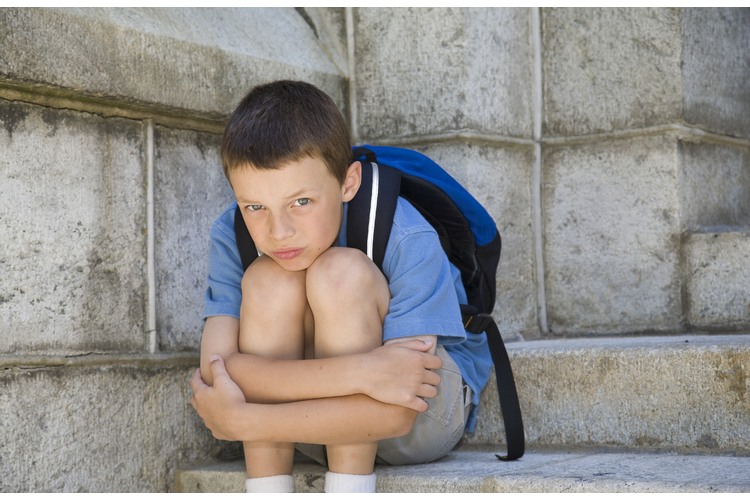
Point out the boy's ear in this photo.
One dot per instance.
(352, 181)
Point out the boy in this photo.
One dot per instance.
(302, 331)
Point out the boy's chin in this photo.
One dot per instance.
(292, 265)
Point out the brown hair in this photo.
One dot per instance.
(285, 121)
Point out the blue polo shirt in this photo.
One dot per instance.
(425, 287)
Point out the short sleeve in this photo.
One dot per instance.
(224, 292)
(424, 300)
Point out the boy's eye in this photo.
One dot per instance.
(302, 201)
(254, 208)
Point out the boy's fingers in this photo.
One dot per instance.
(197, 381)
(420, 405)
(427, 391)
(432, 378)
(433, 363)
(416, 345)
(217, 367)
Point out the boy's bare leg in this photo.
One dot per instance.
(349, 298)
(273, 317)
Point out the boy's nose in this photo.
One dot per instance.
(281, 228)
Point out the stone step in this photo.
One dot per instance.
(682, 393)
(620, 409)
(477, 470)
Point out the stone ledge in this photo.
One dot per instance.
(536, 472)
(95, 359)
(676, 393)
(200, 61)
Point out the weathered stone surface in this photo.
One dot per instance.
(309, 477)
(629, 473)
(423, 71)
(610, 69)
(718, 280)
(190, 193)
(611, 236)
(714, 187)
(500, 179)
(479, 471)
(72, 226)
(108, 428)
(663, 393)
(202, 60)
(716, 65)
(329, 25)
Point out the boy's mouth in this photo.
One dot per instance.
(288, 253)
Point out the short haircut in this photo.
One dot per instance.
(282, 122)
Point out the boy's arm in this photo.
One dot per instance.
(342, 420)
(397, 373)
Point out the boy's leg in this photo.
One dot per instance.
(273, 317)
(349, 298)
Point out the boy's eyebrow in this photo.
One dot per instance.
(296, 194)
(301, 191)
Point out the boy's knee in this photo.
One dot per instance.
(344, 275)
(265, 281)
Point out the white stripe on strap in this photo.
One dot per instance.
(373, 209)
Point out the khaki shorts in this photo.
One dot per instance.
(435, 431)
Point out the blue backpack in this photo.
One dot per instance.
(467, 234)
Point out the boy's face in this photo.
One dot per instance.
(294, 213)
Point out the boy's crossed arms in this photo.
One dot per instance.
(341, 400)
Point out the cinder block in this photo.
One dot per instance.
(73, 216)
(109, 428)
(611, 236)
(718, 279)
(190, 193)
(610, 69)
(500, 179)
(203, 60)
(677, 393)
(714, 187)
(715, 69)
(426, 71)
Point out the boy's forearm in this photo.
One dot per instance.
(264, 380)
(398, 373)
(343, 420)
(339, 420)
(391, 374)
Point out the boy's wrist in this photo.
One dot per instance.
(358, 379)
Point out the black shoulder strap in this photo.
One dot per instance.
(506, 390)
(245, 244)
(371, 211)
(506, 385)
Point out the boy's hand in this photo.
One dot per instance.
(217, 404)
(399, 373)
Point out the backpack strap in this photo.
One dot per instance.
(506, 384)
(245, 244)
(370, 213)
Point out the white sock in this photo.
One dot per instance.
(272, 484)
(349, 483)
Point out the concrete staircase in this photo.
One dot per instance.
(637, 414)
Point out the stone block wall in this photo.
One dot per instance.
(597, 138)
(644, 145)
(612, 147)
(110, 177)
(457, 85)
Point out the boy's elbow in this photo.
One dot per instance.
(403, 420)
